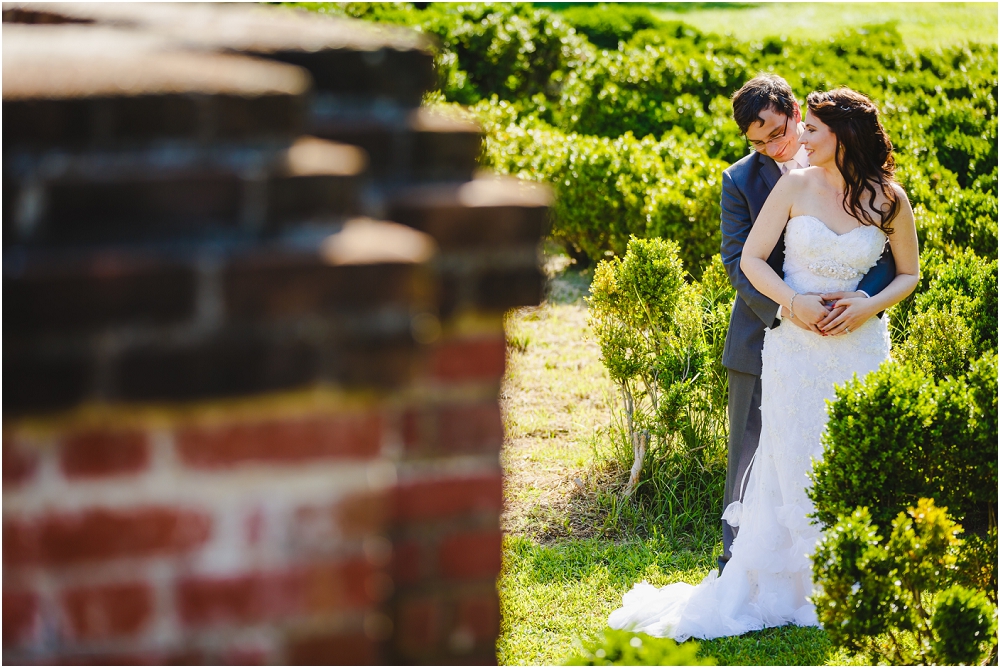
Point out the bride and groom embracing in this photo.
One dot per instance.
(817, 237)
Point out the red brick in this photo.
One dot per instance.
(467, 556)
(363, 513)
(410, 426)
(480, 616)
(240, 599)
(112, 659)
(474, 427)
(97, 534)
(325, 527)
(470, 428)
(406, 563)
(418, 626)
(100, 453)
(443, 498)
(254, 597)
(180, 657)
(352, 436)
(19, 462)
(20, 617)
(247, 656)
(338, 586)
(469, 359)
(108, 611)
(345, 649)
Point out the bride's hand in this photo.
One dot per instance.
(809, 309)
(851, 313)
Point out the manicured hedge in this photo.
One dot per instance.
(570, 78)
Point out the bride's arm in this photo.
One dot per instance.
(764, 234)
(905, 250)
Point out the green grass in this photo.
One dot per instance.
(921, 25)
(558, 594)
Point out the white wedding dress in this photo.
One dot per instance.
(768, 580)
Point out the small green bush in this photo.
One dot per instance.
(717, 299)
(622, 648)
(902, 587)
(964, 624)
(896, 436)
(646, 320)
(951, 320)
(939, 344)
(661, 339)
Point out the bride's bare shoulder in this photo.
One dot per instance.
(803, 177)
(801, 180)
(900, 192)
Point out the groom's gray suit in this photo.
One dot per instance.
(745, 186)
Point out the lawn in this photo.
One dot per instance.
(929, 24)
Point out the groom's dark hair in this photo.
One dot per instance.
(762, 92)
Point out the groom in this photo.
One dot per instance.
(769, 118)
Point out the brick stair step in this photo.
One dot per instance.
(488, 230)
(89, 291)
(267, 284)
(482, 213)
(139, 197)
(85, 86)
(444, 148)
(316, 178)
(418, 145)
(286, 316)
(345, 56)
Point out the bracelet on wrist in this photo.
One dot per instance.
(791, 306)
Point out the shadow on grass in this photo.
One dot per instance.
(782, 646)
(570, 285)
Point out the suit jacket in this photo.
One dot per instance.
(745, 186)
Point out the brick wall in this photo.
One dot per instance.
(253, 300)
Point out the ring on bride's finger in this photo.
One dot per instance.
(847, 329)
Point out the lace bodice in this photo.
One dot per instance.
(817, 259)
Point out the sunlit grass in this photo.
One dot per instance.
(554, 595)
(921, 25)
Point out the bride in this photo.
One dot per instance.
(836, 217)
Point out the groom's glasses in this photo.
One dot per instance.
(761, 146)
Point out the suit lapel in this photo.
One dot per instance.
(769, 170)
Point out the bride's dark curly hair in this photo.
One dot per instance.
(864, 152)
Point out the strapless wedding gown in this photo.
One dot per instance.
(768, 580)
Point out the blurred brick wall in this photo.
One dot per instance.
(253, 341)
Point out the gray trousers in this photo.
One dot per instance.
(744, 434)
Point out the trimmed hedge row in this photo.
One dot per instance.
(571, 77)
